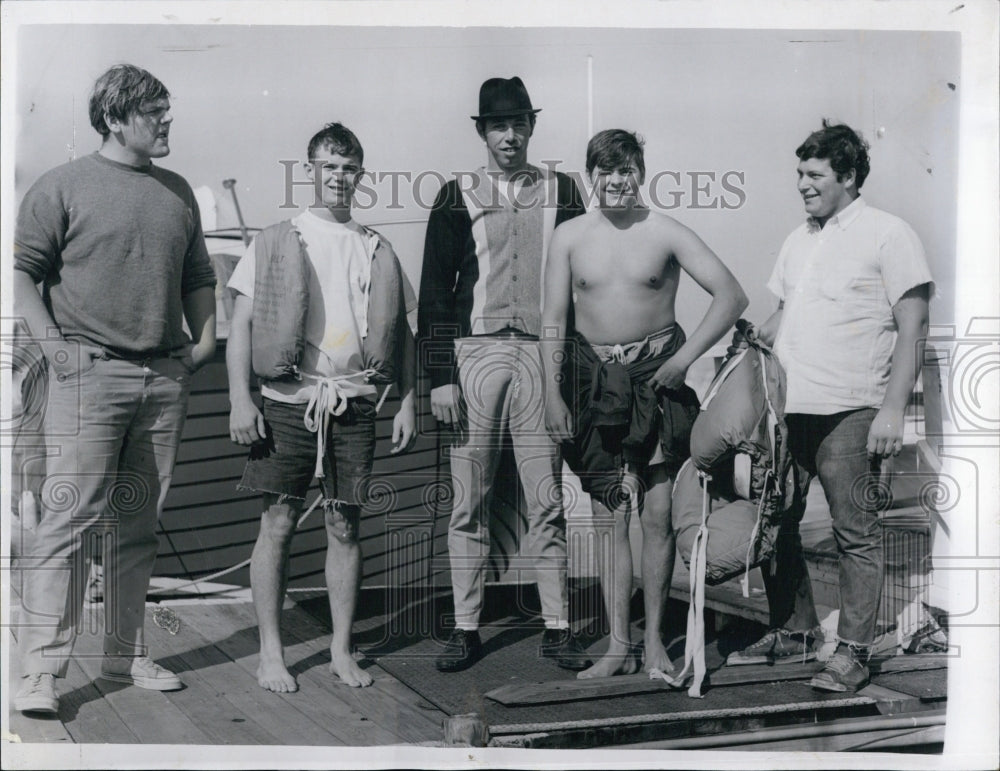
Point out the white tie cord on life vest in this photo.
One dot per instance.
(324, 418)
(328, 399)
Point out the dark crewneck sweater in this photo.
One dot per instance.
(116, 248)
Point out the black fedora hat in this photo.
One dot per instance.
(500, 97)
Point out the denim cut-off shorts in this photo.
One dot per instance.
(285, 462)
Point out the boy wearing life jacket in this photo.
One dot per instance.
(853, 288)
(618, 402)
(320, 318)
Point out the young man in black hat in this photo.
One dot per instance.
(479, 323)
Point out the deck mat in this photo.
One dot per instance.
(407, 646)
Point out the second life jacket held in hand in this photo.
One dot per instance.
(281, 302)
(730, 497)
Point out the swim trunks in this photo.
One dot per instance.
(620, 421)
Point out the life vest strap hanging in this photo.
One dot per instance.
(694, 643)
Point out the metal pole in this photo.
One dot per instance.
(230, 185)
(830, 728)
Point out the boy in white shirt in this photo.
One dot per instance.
(853, 287)
(306, 320)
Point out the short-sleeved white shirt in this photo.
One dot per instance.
(839, 284)
(340, 257)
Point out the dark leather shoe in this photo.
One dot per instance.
(564, 649)
(462, 651)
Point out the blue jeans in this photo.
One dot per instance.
(285, 462)
(832, 447)
(112, 433)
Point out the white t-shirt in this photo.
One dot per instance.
(339, 264)
(839, 284)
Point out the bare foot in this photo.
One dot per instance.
(655, 657)
(615, 662)
(346, 668)
(273, 676)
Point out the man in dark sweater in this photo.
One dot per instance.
(109, 260)
(479, 322)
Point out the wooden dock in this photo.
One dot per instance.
(211, 640)
(212, 645)
(214, 651)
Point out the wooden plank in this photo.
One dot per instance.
(241, 505)
(316, 699)
(30, 729)
(417, 709)
(209, 401)
(301, 630)
(383, 430)
(203, 492)
(89, 717)
(222, 546)
(602, 687)
(83, 712)
(216, 551)
(909, 662)
(191, 449)
(393, 707)
(148, 714)
(224, 698)
(890, 702)
(33, 729)
(521, 694)
(195, 472)
(417, 459)
(237, 531)
(86, 714)
(204, 426)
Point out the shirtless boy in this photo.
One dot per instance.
(627, 437)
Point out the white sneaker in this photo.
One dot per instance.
(37, 694)
(141, 671)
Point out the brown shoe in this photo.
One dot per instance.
(779, 646)
(843, 672)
